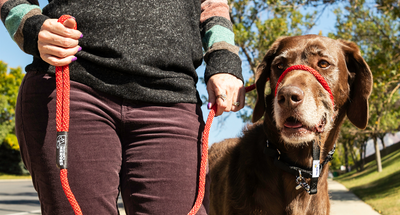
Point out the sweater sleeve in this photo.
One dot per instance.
(23, 20)
(222, 55)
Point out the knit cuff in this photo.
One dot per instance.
(23, 21)
(214, 33)
(31, 31)
(223, 61)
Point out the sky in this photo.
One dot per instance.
(230, 127)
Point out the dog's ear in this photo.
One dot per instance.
(360, 81)
(262, 75)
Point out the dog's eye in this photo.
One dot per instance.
(280, 66)
(323, 64)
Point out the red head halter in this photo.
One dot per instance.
(318, 76)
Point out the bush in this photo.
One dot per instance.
(10, 157)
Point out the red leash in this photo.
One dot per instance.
(62, 123)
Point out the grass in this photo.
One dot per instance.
(380, 190)
(4, 176)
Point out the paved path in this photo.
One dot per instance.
(344, 202)
(17, 197)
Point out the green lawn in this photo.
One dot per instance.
(380, 190)
(4, 176)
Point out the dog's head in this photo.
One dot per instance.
(302, 107)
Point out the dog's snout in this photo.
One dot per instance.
(290, 97)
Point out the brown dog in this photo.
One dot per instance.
(246, 178)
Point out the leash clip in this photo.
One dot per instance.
(301, 183)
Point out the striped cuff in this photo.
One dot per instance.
(17, 18)
(218, 34)
(17, 15)
(8, 5)
(221, 46)
(223, 61)
(211, 22)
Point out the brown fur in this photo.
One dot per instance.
(243, 179)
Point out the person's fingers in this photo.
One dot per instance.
(58, 43)
(57, 56)
(50, 59)
(216, 96)
(238, 101)
(49, 38)
(70, 23)
(222, 102)
(64, 30)
(226, 91)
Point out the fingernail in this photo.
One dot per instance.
(81, 36)
(209, 106)
(80, 49)
(74, 59)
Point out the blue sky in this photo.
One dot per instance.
(231, 127)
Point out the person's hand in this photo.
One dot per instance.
(58, 43)
(227, 92)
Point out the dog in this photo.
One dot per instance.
(263, 171)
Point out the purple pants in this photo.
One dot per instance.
(149, 152)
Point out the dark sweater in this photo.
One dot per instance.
(140, 50)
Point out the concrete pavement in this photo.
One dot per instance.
(18, 197)
(344, 202)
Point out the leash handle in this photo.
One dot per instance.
(62, 124)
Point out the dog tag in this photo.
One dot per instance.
(298, 187)
(315, 169)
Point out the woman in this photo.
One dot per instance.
(135, 113)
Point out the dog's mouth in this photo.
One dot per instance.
(293, 127)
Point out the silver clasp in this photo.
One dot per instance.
(301, 183)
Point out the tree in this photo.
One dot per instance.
(257, 24)
(10, 159)
(9, 85)
(377, 33)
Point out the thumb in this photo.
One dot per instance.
(70, 23)
(211, 99)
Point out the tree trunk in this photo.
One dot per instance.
(353, 155)
(362, 157)
(383, 142)
(378, 155)
(346, 156)
(365, 150)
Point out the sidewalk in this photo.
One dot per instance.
(17, 197)
(344, 202)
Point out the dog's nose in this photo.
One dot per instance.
(289, 97)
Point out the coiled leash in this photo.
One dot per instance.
(62, 123)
